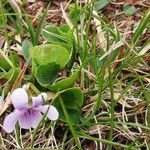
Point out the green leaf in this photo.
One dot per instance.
(2, 22)
(48, 53)
(73, 100)
(26, 45)
(14, 58)
(65, 30)
(51, 34)
(47, 74)
(113, 55)
(75, 116)
(73, 94)
(59, 35)
(141, 27)
(3, 18)
(40, 25)
(66, 83)
(30, 29)
(129, 10)
(74, 13)
(147, 95)
(11, 75)
(99, 4)
(5, 62)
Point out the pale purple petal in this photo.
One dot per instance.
(52, 113)
(11, 120)
(36, 101)
(25, 86)
(19, 98)
(30, 119)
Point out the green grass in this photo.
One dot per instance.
(113, 79)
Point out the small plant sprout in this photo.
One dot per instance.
(28, 116)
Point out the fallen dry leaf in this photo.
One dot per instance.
(2, 40)
(31, 1)
(5, 104)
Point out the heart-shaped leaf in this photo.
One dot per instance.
(48, 53)
(72, 94)
(73, 100)
(47, 74)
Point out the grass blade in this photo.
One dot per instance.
(40, 25)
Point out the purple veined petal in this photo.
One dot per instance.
(44, 96)
(30, 119)
(19, 98)
(52, 113)
(11, 120)
(36, 101)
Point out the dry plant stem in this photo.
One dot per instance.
(20, 77)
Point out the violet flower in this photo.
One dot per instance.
(28, 116)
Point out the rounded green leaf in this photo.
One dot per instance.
(72, 95)
(48, 53)
(73, 100)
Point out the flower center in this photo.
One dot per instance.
(29, 111)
